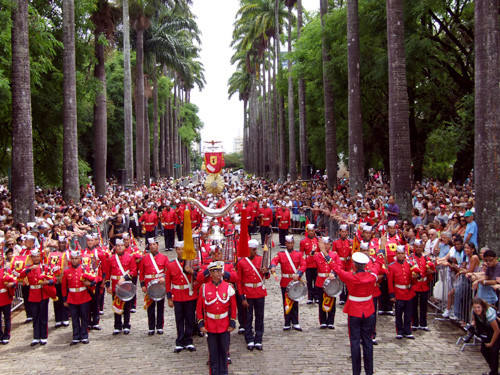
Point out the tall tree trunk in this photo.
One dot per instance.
(156, 160)
(487, 123)
(356, 151)
(147, 151)
(330, 125)
(161, 146)
(278, 98)
(71, 186)
(272, 119)
(127, 100)
(100, 119)
(399, 132)
(169, 138)
(265, 133)
(175, 145)
(245, 135)
(139, 100)
(23, 180)
(292, 162)
(304, 152)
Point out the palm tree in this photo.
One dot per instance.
(487, 123)
(330, 128)
(278, 98)
(104, 19)
(292, 162)
(356, 154)
(304, 154)
(71, 187)
(23, 180)
(127, 102)
(399, 131)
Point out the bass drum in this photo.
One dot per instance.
(296, 290)
(333, 288)
(156, 290)
(126, 291)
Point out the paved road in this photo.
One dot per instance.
(312, 351)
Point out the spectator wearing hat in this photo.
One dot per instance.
(471, 229)
(251, 276)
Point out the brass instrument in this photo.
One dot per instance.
(195, 263)
(267, 252)
(223, 211)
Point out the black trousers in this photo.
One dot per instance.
(133, 304)
(293, 316)
(40, 312)
(126, 316)
(257, 305)
(80, 320)
(180, 232)
(25, 289)
(420, 303)
(311, 274)
(264, 231)
(375, 305)
(169, 238)
(5, 330)
(327, 318)
(184, 321)
(218, 347)
(156, 313)
(94, 305)
(344, 294)
(150, 234)
(360, 333)
(102, 294)
(282, 233)
(403, 312)
(241, 312)
(61, 312)
(384, 301)
(491, 356)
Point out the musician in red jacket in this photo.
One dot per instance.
(152, 268)
(38, 276)
(283, 219)
(360, 310)
(120, 267)
(7, 290)
(422, 286)
(326, 304)
(179, 218)
(293, 267)
(252, 291)
(76, 280)
(216, 314)
(182, 297)
(149, 220)
(57, 261)
(168, 219)
(343, 248)
(401, 278)
(266, 218)
(308, 247)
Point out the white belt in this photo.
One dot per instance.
(343, 259)
(323, 274)
(35, 286)
(402, 286)
(168, 223)
(359, 299)
(76, 290)
(216, 316)
(181, 287)
(424, 279)
(113, 277)
(287, 275)
(253, 285)
(3, 290)
(154, 276)
(284, 222)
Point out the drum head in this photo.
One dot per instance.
(126, 291)
(156, 290)
(333, 288)
(296, 290)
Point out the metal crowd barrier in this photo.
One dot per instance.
(17, 302)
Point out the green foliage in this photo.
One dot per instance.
(234, 160)
(165, 86)
(191, 124)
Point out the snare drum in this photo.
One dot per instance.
(156, 290)
(333, 288)
(126, 291)
(296, 290)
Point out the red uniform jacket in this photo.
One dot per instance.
(309, 246)
(361, 286)
(6, 294)
(400, 280)
(390, 247)
(377, 266)
(267, 216)
(73, 289)
(147, 270)
(179, 214)
(229, 274)
(325, 266)
(251, 283)
(35, 276)
(283, 217)
(168, 219)
(287, 271)
(216, 307)
(178, 283)
(17, 266)
(150, 220)
(343, 248)
(102, 257)
(113, 272)
(423, 263)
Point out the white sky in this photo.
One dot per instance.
(223, 118)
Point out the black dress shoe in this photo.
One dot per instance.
(85, 341)
(178, 349)
(151, 333)
(201, 334)
(258, 346)
(74, 343)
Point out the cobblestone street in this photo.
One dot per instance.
(312, 351)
